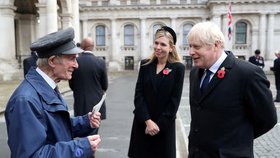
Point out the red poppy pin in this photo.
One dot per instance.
(166, 71)
(221, 73)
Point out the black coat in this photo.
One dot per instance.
(88, 83)
(233, 111)
(276, 69)
(257, 61)
(157, 97)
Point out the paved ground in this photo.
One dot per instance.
(267, 146)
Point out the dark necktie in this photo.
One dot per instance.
(205, 81)
(56, 92)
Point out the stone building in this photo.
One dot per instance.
(124, 29)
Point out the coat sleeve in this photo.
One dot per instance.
(262, 111)
(27, 134)
(104, 77)
(81, 126)
(169, 114)
(141, 109)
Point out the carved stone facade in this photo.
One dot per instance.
(129, 25)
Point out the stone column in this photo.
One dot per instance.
(76, 19)
(51, 16)
(42, 20)
(270, 37)
(7, 29)
(85, 28)
(113, 40)
(144, 52)
(66, 20)
(217, 19)
(262, 35)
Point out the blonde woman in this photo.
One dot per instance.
(157, 98)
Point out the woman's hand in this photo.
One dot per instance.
(151, 128)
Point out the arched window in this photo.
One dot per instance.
(186, 30)
(241, 33)
(155, 28)
(100, 35)
(128, 35)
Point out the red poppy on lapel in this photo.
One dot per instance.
(221, 73)
(166, 71)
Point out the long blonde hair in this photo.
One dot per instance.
(173, 55)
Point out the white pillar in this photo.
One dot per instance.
(7, 31)
(76, 19)
(144, 53)
(113, 39)
(51, 16)
(66, 20)
(85, 28)
(262, 36)
(42, 20)
(217, 19)
(270, 38)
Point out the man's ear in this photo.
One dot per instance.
(52, 61)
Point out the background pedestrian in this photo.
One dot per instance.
(90, 81)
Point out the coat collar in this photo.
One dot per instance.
(152, 73)
(227, 64)
(44, 90)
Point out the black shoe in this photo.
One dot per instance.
(276, 100)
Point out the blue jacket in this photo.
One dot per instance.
(39, 125)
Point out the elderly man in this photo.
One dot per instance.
(37, 119)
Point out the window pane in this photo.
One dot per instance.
(100, 35)
(241, 33)
(129, 35)
(186, 30)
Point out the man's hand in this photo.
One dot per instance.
(94, 119)
(94, 140)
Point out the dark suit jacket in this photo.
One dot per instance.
(156, 99)
(276, 69)
(88, 83)
(257, 61)
(232, 112)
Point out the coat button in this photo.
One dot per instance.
(198, 108)
(196, 130)
(196, 150)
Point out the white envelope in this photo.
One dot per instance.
(99, 104)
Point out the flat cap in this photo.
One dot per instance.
(56, 43)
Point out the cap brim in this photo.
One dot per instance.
(75, 50)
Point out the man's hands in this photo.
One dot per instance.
(151, 128)
(94, 140)
(94, 119)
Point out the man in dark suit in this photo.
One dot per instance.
(257, 59)
(236, 104)
(29, 62)
(276, 70)
(89, 81)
